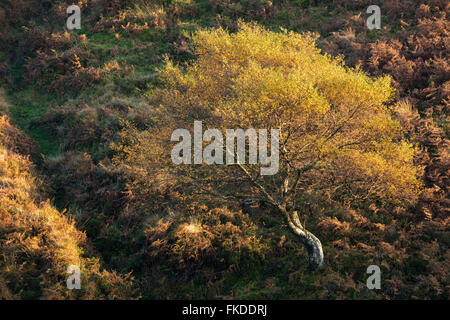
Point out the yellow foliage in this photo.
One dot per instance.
(327, 113)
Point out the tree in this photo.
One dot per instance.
(337, 135)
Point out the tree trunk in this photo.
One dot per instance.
(311, 242)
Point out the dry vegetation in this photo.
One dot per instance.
(38, 242)
(99, 102)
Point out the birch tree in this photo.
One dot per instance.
(336, 130)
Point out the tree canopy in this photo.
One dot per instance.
(337, 134)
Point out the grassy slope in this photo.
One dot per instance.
(283, 273)
(31, 102)
(39, 242)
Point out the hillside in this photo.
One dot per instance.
(86, 178)
(38, 243)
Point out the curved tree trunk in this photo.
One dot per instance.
(311, 242)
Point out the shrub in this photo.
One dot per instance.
(204, 238)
